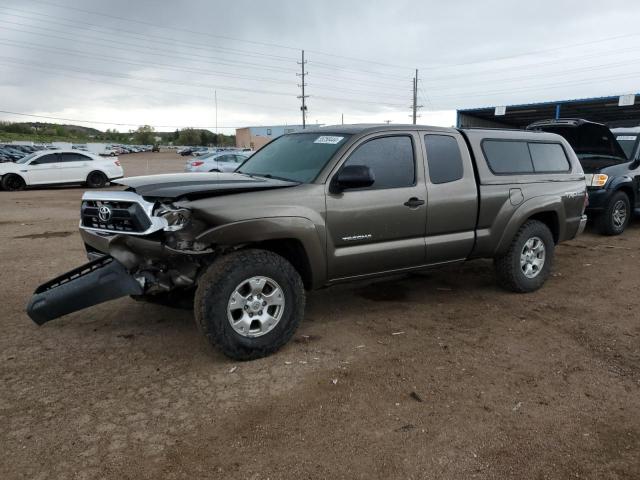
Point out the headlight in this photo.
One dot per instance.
(598, 180)
(176, 218)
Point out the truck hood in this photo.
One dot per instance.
(594, 144)
(198, 185)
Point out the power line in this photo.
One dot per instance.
(145, 52)
(563, 48)
(154, 38)
(149, 93)
(163, 52)
(207, 34)
(110, 123)
(166, 27)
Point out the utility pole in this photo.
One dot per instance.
(415, 97)
(343, 119)
(215, 99)
(415, 106)
(303, 97)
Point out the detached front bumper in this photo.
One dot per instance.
(95, 282)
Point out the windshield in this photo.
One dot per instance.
(627, 142)
(27, 158)
(298, 157)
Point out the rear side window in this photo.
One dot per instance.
(518, 156)
(390, 159)
(507, 156)
(548, 157)
(443, 158)
(75, 157)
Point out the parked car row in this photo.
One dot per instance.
(224, 161)
(200, 151)
(12, 152)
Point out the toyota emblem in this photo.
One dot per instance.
(104, 213)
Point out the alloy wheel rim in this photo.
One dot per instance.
(619, 214)
(532, 257)
(255, 306)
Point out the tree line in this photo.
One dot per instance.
(143, 135)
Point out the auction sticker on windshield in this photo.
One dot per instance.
(329, 140)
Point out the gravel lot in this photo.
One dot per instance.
(440, 375)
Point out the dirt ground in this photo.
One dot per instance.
(434, 376)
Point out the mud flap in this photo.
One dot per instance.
(95, 282)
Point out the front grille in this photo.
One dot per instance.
(126, 217)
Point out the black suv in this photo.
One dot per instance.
(613, 180)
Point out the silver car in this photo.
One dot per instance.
(216, 162)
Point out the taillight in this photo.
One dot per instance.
(196, 164)
(117, 162)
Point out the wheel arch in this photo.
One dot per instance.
(294, 238)
(546, 211)
(8, 174)
(627, 188)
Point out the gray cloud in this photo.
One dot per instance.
(162, 67)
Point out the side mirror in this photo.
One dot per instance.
(352, 176)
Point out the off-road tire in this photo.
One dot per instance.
(218, 282)
(179, 299)
(604, 222)
(13, 182)
(508, 269)
(97, 180)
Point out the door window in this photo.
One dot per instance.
(391, 160)
(51, 158)
(443, 158)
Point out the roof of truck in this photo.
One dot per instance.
(359, 128)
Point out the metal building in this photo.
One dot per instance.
(256, 137)
(618, 111)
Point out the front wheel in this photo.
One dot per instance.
(13, 183)
(527, 264)
(616, 215)
(249, 303)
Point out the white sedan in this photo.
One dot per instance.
(56, 167)
(217, 162)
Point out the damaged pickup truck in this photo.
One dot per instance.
(319, 207)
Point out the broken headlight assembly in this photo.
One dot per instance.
(176, 218)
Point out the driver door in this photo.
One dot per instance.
(44, 170)
(380, 228)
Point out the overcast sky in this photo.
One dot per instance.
(159, 62)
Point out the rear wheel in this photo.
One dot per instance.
(616, 215)
(13, 182)
(527, 264)
(97, 180)
(249, 303)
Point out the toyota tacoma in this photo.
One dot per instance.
(320, 207)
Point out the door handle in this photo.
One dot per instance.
(413, 202)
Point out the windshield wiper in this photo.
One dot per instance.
(275, 177)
